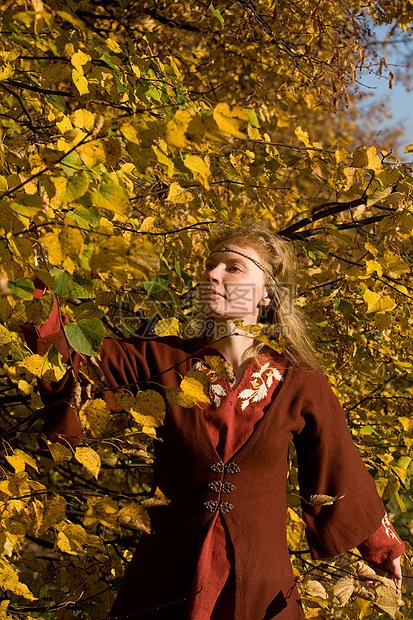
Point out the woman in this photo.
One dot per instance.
(218, 551)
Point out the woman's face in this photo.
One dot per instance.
(232, 286)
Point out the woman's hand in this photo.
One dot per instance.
(394, 568)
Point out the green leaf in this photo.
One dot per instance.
(316, 250)
(76, 187)
(216, 13)
(23, 289)
(182, 274)
(156, 285)
(64, 285)
(252, 117)
(342, 306)
(86, 336)
(57, 102)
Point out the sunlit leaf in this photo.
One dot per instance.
(86, 336)
(89, 459)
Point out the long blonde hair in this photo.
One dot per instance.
(278, 256)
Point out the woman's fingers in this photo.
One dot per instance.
(395, 569)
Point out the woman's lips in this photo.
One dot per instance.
(210, 293)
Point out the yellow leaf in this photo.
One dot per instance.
(71, 538)
(79, 59)
(377, 303)
(360, 157)
(158, 499)
(135, 517)
(109, 255)
(95, 417)
(51, 243)
(409, 148)
(353, 176)
(92, 153)
(165, 161)
(373, 266)
(17, 462)
(176, 396)
(49, 367)
(6, 72)
(6, 337)
(54, 512)
(370, 248)
(89, 459)
(168, 327)
(302, 136)
(34, 311)
(9, 579)
(407, 424)
(193, 390)
(378, 195)
(341, 155)
(374, 161)
(111, 196)
(198, 168)
(102, 510)
(388, 176)
(179, 194)
(185, 128)
(71, 239)
(149, 404)
(80, 82)
(59, 452)
(232, 121)
(3, 611)
(84, 119)
(20, 459)
(176, 128)
(129, 132)
(147, 408)
(113, 151)
(149, 225)
(221, 366)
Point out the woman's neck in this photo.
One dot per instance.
(233, 346)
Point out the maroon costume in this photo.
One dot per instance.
(196, 462)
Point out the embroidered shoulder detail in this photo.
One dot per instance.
(267, 376)
(389, 529)
(216, 390)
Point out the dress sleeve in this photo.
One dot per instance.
(329, 464)
(121, 363)
(382, 546)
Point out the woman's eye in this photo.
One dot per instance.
(234, 269)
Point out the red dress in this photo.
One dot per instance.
(231, 418)
(197, 537)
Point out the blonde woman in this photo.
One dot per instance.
(218, 551)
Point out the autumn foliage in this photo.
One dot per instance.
(127, 130)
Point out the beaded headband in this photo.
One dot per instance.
(253, 260)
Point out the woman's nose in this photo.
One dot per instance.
(214, 274)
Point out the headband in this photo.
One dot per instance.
(253, 260)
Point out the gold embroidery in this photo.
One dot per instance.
(388, 528)
(261, 381)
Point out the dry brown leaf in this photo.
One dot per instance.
(323, 500)
(343, 589)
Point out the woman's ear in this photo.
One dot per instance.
(266, 299)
